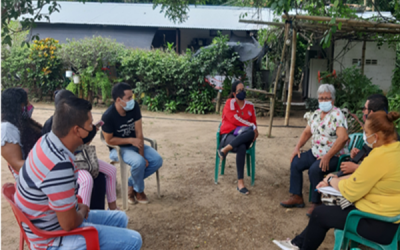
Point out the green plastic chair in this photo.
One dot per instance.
(342, 237)
(250, 159)
(356, 141)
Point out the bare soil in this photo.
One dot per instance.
(194, 213)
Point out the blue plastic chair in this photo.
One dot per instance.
(250, 159)
(342, 237)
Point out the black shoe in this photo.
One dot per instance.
(221, 154)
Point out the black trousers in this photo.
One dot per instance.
(324, 218)
(98, 192)
(240, 144)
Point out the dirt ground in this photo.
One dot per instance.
(194, 213)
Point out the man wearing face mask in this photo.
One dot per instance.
(46, 187)
(123, 127)
(374, 103)
(327, 129)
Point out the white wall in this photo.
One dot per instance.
(381, 73)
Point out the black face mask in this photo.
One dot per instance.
(241, 96)
(90, 136)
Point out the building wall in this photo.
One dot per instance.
(381, 72)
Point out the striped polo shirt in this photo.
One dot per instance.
(46, 184)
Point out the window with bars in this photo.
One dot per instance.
(367, 61)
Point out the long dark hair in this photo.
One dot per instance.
(12, 101)
(234, 86)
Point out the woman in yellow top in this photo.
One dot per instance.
(374, 188)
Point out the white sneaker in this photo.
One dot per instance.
(285, 244)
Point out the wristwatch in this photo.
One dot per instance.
(329, 180)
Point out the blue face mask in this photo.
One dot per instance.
(129, 105)
(325, 106)
(241, 96)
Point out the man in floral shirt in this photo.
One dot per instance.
(327, 128)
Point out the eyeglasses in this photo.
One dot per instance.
(325, 99)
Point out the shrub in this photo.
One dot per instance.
(91, 59)
(37, 66)
(170, 80)
(394, 105)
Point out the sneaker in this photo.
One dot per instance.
(285, 244)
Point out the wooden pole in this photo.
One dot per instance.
(291, 80)
(272, 100)
(363, 57)
(218, 106)
(359, 23)
(346, 27)
(286, 82)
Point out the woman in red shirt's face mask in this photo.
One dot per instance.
(238, 129)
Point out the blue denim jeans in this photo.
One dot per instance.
(113, 234)
(308, 161)
(139, 172)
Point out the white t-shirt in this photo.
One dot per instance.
(11, 134)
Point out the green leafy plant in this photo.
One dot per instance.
(312, 104)
(171, 106)
(200, 101)
(394, 105)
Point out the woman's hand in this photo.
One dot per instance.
(327, 177)
(322, 184)
(296, 151)
(324, 163)
(255, 134)
(354, 152)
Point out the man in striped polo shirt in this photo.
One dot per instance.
(46, 188)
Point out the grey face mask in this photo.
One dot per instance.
(366, 142)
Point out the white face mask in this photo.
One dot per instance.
(366, 142)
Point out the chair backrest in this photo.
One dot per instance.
(356, 141)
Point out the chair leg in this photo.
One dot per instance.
(223, 167)
(248, 164)
(21, 240)
(158, 184)
(253, 168)
(216, 168)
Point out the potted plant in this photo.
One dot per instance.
(76, 79)
(68, 73)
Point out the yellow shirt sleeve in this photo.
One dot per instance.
(364, 178)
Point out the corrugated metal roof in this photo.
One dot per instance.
(143, 15)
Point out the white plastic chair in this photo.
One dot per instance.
(124, 170)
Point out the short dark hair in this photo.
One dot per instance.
(119, 89)
(70, 112)
(62, 94)
(378, 102)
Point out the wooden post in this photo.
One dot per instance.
(286, 82)
(292, 68)
(218, 106)
(272, 100)
(363, 57)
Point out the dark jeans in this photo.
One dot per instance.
(240, 144)
(324, 218)
(308, 161)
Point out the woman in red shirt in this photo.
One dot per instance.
(238, 129)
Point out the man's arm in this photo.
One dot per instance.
(116, 141)
(139, 136)
(71, 219)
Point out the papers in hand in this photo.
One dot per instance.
(329, 190)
